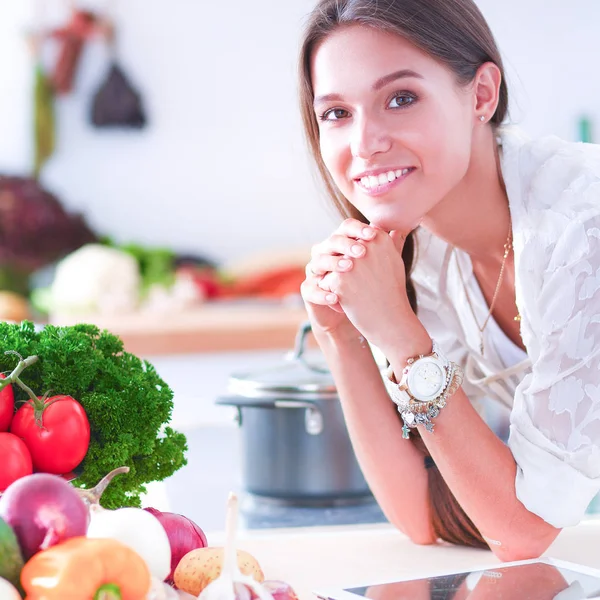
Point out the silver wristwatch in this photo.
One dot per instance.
(426, 382)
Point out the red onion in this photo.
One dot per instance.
(243, 592)
(184, 536)
(43, 510)
(280, 590)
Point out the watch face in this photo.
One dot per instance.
(426, 380)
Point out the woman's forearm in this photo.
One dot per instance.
(393, 468)
(476, 465)
(481, 471)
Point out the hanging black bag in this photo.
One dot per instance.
(117, 103)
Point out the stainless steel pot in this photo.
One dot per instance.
(295, 443)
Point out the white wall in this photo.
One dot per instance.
(223, 168)
(551, 50)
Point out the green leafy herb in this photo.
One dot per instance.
(157, 265)
(127, 403)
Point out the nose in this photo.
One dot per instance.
(369, 137)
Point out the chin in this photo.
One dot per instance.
(392, 216)
(393, 223)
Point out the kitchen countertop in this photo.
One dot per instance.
(323, 548)
(220, 326)
(320, 558)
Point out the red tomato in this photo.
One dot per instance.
(62, 440)
(7, 406)
(16, 459)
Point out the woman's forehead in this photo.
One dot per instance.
(359, 54)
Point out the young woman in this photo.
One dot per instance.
(470, 256)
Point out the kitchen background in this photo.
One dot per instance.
(220, 173)
(222, 167)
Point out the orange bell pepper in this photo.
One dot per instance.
(86, 569)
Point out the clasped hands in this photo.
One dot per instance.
(357, 276)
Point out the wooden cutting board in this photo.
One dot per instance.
(212, 327)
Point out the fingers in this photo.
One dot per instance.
(340, 245)
(312, 293)
(315, 295)
(357, 230)
(336, 254)
(326, 263)
(337, 307)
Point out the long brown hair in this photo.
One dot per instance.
(455, 33)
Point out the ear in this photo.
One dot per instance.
(486, 87)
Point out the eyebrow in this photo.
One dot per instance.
(378, 85)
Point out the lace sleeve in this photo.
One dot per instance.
(555, 422)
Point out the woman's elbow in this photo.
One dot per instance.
(516, 554)
(423, 540)
(528, 548)
(422, 536)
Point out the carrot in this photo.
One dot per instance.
(273, 283)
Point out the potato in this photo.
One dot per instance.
(203, 565)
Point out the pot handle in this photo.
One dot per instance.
(297, 353)
(313, 417)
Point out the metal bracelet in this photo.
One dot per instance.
(422, 413)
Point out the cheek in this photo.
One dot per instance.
(446, 148)
(336, 160)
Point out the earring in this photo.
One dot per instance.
(482, 118)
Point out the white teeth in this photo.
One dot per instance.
(372, 181)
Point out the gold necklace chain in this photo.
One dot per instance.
(507, 248)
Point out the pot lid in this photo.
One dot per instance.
(296, 374)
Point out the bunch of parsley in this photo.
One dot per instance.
(127, 403)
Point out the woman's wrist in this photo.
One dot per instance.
(341, 335)
(404, 341)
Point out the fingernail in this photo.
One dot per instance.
(358, 250)
(344, 263)
(331, 298)
(368, 233)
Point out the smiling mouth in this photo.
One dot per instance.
(383, 181)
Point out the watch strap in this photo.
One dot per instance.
(399, 395)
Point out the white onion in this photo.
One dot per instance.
(139, 530)
(8, 591)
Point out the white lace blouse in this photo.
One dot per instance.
(554, 390)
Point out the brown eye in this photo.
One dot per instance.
(401, 100)
(334, 114)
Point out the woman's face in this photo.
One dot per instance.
(395, 127)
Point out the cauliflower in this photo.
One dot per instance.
(96, 279)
